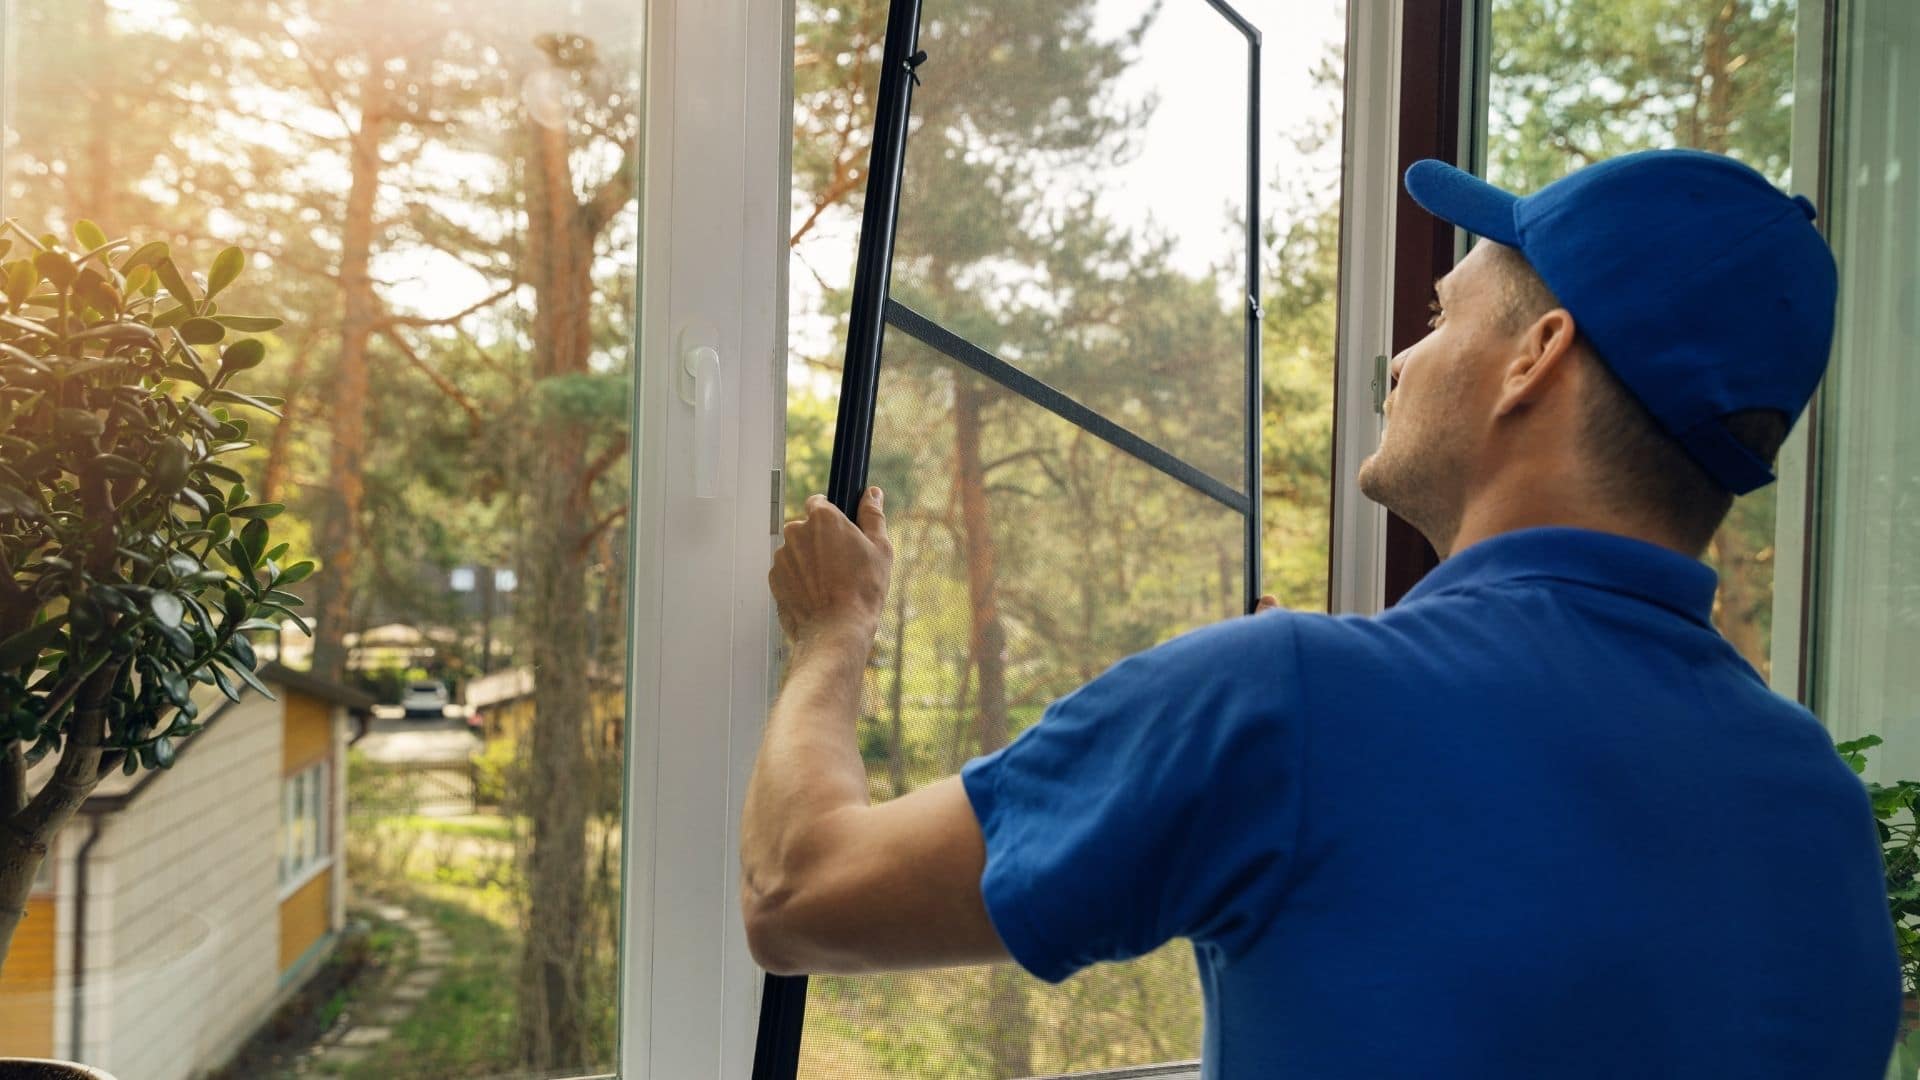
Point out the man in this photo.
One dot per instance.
(1537, 820)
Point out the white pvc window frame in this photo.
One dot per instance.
(687, 771)
(1369, 189)
(1794, 546)
(713, 274)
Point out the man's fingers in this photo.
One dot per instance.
(873, 518)
(1267, 603)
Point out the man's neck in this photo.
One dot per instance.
(1513, 507)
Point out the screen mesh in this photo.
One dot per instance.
(1074, 200)
(1061, 425)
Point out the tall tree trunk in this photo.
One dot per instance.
(339, 539)
(896, 695)
(552, 1016)
(1741, 550)
(273, 475)
(1011, 1040)
(986, 637)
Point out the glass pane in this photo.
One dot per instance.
(1573, 82)
(1868, 585)
(1030, 555)
(437, 200)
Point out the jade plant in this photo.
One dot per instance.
(1894, 808)
(134, 563)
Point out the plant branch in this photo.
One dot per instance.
(13, 778)
(57, 703)
(78, 771)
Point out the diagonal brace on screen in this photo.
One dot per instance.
(959, 349)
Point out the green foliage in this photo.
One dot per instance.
(1895, 817)
(1580, 81)
(496, 771)
(1893, 810)
(133, 561)
(584, 398)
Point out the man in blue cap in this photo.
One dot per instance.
(1539, 819)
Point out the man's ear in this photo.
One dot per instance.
(1539, 361)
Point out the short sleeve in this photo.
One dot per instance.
(1159, 801)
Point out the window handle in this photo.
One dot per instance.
(700, 388)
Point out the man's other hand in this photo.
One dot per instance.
(1267, 603)
(830, 574)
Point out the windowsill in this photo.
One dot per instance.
(300, 880)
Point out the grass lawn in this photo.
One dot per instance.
(460, 874)
(482, 826)
(464, 1028)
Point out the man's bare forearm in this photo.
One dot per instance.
(809, 765)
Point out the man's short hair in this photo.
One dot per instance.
(1641, 465)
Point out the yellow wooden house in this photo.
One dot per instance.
(180, 907)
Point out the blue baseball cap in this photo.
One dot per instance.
(1705, 289)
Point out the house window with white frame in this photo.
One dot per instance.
(303, 823)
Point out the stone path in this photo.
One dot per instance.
(372, 1021)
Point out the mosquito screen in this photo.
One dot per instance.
(1050, 369)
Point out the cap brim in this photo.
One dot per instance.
(1463, 199)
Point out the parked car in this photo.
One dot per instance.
(425, 700)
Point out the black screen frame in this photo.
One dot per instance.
(873, 310)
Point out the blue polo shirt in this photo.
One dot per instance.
(1538, 820)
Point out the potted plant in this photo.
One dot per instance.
(1894, 810)
(133, 563)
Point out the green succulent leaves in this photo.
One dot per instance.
(131, 551)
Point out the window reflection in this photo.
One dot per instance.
(1867, 622)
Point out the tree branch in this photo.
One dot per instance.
(1019, 455)
(389, 320)
(329, 92)
(444, 384)
(611, 454)
(593, 533)
(615, 193)
(491, 362)
(842, 184)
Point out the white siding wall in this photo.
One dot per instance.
(183, 913)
